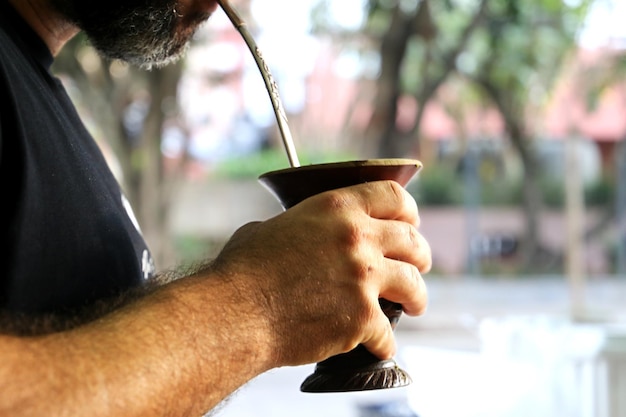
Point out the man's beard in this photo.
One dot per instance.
(145, 33)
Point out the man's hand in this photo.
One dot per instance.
(294, 289)
(318, 270)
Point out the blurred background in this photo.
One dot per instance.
(517, 110)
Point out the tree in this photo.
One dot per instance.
(513, 51)
(517, 54)
(418, 44)
(105, 92)
(419, 48)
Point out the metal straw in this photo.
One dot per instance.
(270, 84)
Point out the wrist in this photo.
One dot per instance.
(227, 315)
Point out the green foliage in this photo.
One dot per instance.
(525, 42)
(253, 165)
(503, 192)
(600, 193)
(189, 248)
(437, 186)
(441, 185)
(597, 193)
(452, 21)
(553, 192)
(414, 56)
(599, 78)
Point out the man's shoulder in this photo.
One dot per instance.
(7, 33)
(12, 59)
(21, 48)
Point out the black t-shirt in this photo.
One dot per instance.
(68, 235)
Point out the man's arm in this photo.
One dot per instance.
(295, 289)
(178, 351)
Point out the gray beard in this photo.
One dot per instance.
(142, 33)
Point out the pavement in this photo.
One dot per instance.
(485, 347)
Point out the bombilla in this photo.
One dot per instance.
(270, 84)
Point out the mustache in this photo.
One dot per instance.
(143, 33)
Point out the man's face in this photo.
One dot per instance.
(146, 33)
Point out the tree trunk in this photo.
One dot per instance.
(154, 189)
(532, 204)
(430, 84)
(382, 124)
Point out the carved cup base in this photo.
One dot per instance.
(381, 375)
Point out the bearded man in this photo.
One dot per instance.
(84, 329)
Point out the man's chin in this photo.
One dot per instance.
(161, 62)
(146, 61)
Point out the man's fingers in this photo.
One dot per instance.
(402, 241)
(385, 200)
(382, 343)
(404, 285)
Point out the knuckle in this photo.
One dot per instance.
(418, 220)
(425, 262)
(397, 191)
(413, 235)
(401, 198)
(411, 274)
(422, 306)
(333, 200)
(422, 255)
(360, 272)
(415, 288)
(411, 277)
(354, 236)
(422, 297)
(355, 241)
(426, 265)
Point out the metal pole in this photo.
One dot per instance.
(575, 212)
(472, 203)
(620, 209)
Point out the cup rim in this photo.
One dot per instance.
(350, 164)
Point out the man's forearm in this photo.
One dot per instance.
(294, 289)
(169, 353)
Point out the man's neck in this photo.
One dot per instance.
(53, 28)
